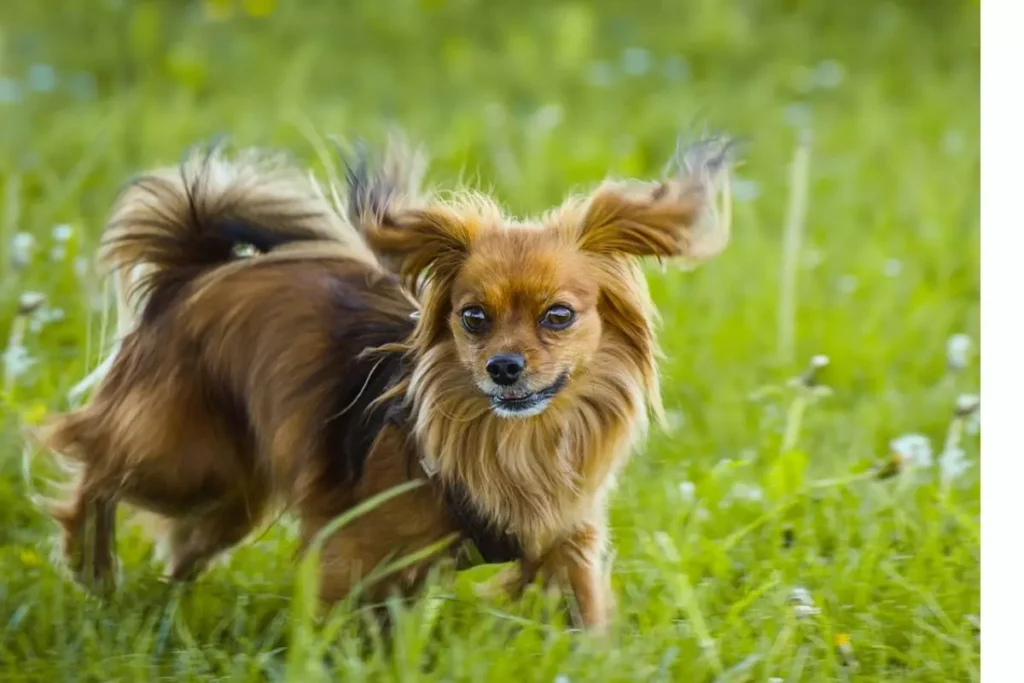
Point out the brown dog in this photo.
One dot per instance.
(509, 364)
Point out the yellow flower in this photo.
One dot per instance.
(29, 557)
(259, 8)
(35, 413)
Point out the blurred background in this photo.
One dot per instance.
(531, 99)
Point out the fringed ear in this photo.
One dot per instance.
(416, 240)
(679, 217)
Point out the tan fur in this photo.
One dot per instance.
(248, 384)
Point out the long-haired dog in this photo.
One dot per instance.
(509, 364)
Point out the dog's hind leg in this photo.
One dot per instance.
(194, 541)
(88, 534)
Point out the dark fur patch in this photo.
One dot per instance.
(496, 547)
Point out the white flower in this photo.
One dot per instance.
(636, 61)
(674, 420)
(953, 463)
(913, 450)
(561, 678)
(17, 361)
(828, 74)
(744, 190)
(803, 603)
(967, 404)
(958, 352)
(750, 493)
(29, 302)
(819, 361)
(547, 118)
(10, 91)
(798, 115)
(800, 596)
(21, 249)
(62, 232)
(893, 267)
(687, 491)
(81, 266)
(58, 253)
(848, 284)
(42, 77)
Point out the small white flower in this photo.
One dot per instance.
(798, 115)
(848, 284)
(16, 361)
(62, 232)
(893, 267)
(804, 611)
(21, 249)
(42, 77)
(913, 450)
(561, 678)
(953, 463)
(58, 253)
(636, 61)
(10, 91)
(819, 361)
(674, 421)
(744, 190)
(547, 118)
(967, 404)
(958, 352)
(813, 259)
(750, 493)
(800, 596)
(28, 302)
(687, 491)
(828, 74)
(81, 266)
(675, 69)
(953, 142)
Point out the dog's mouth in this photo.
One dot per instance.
(527, 405)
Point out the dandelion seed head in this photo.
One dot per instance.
(29, 302)
(62, 232)
(958, 352)
(912, 450)
(22, 245)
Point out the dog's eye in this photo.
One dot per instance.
(558, 317)
(474, 319)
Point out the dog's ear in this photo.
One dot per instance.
(411, 237)
(678, 217)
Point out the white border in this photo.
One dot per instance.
(1002, 246)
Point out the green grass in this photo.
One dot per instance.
(531, 101)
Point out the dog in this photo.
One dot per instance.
(507, 365)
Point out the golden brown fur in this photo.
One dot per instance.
(303, 377)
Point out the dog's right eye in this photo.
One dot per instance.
(474, 319)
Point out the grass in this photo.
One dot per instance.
(756, 488)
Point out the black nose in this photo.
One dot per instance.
(505, 368)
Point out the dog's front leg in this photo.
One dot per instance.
(575, 563)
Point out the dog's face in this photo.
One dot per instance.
(527, 306)
(524, 317)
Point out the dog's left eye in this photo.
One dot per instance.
(558, 317)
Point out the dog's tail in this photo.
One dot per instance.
(169, 226)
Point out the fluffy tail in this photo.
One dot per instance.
(169, 226)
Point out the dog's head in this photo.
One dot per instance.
(526, 307)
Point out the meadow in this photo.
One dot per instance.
(782, 526)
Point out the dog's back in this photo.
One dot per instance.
(243, 379)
